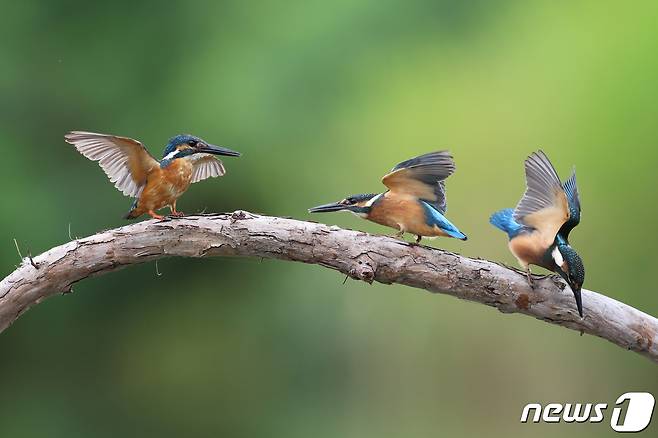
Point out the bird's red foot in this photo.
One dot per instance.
(177, 213)
(531, 282)
(399, 235)
(154, 215)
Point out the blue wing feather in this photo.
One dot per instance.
(504, 220)
(434, 217)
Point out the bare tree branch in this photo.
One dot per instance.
(360, 255)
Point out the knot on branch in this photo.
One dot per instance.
(240, 215)
(363, 270)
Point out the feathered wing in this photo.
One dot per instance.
(544, 204)
(571, 189)
(423, 177)
(125, 161)
(206, 166)
(441, 203)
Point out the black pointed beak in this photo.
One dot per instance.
(217, 150)
(575, 288)
(579, 299)
(326, 208)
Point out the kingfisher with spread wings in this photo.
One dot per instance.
(415, 201)
(136, 173)
(538, 228)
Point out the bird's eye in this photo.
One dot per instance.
(192, 142)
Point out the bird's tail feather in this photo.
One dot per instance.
(504, 220)
(133, 213)
(130, 215)
(434, 217)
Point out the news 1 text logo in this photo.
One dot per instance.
(632, 412)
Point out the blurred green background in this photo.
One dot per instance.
(322, 98)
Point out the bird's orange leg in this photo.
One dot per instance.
(399, 234)
(174, 212)
(154, 215)
(528, 275)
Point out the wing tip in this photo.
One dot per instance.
(70, 136)
(573, 172)
(73, 136)
(443, 156)
(436, 156)
(540, 169)
(441, 159)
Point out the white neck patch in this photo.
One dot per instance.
(557, 257)
(373, 199)
(171, 155)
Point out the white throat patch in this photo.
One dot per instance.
(557, 257)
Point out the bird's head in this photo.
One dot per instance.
(186, 145)
(357, 204)
(571, 269)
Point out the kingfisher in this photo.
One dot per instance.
(136, 173)
(538, 228)
(415, 201)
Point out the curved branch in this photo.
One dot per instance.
(360, 255)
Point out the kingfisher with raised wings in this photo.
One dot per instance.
(538, 228)
(415, 201)
(136, 173)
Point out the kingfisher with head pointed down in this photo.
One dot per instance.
(538, 228)
(154, 184)
(415, 201)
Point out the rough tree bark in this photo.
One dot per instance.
(360, 255)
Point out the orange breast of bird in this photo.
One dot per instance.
(165, 185)
(403, 212)
(528, 248)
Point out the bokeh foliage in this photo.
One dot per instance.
(322, 98)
